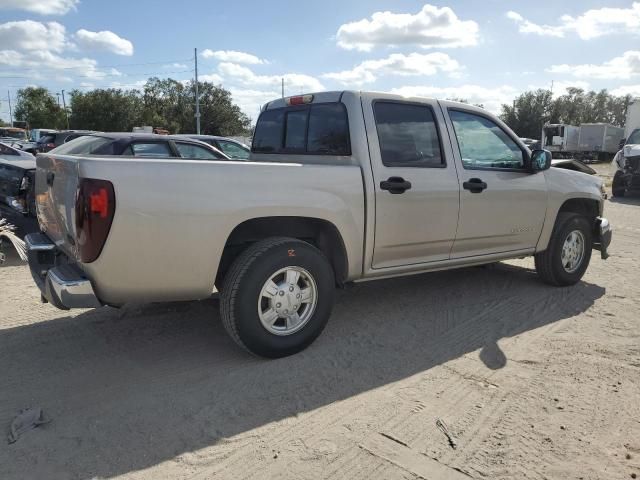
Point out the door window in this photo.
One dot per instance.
(195, 152)
(408, 135)
(483, 144)
(155, 149)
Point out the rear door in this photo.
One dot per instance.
(416, 185)
(502, 205)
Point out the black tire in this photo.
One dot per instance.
(618, 188)
(243, 284)
(549, 263)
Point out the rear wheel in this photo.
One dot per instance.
(277, 297)
(618, 188)
(567, 257)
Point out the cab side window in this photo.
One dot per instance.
(408, 135)
(483, 144)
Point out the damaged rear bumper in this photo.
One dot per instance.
(61, 283)
(602, 240)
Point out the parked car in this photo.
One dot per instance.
(232, 148)
(345, 187)
(627, 162)
(148, 145)
(52, 140)
(12, 134)
(17, 174)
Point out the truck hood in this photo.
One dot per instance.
(575, 181)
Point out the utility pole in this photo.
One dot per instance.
(197, 95)
(551, 88)
(282, 87)
(64, 104)
(58, 95)
(10, 111)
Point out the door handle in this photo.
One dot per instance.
(474, 185)
(395, 185)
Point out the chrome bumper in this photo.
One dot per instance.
(604, 232)
(61, 283)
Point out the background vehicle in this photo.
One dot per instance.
(633, 118)
(342, 187)
(560, 139)
(140, 145)
(627, 162)
(17, 175)
(52, 140)
(230, 147)
(588, 142)
(13, 134)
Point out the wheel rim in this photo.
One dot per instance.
(573, 251)
(287, 300)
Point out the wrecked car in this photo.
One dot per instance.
(627, 163)
(17, 174)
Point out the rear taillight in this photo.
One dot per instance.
(51, 145)
(95, 207)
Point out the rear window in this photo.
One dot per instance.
(86, 145)
(321, 129)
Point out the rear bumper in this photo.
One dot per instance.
(604, 232)
(61, 283)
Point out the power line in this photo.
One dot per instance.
(102, 75)
(121, 65)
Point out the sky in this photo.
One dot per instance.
(483, 51)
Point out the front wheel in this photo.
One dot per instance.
(277, 297)
(618, 187)
(567, 256)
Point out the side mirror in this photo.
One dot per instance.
(621, 144)
(540, 160)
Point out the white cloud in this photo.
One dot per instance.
(294, 82)
(399, 64)
(104, 40)
(560, 88)
(233, 56)
(39, 60)
(250, 101)
(633, 90)
(525, 26)
(42, 7)
(31, 35)
(430, 27)
(623, 67)
(591, 24)
(212, 78)
(175, 65)
(491, 98)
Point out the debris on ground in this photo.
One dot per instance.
(445, 429)
(26, 420)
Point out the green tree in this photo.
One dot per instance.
(107, 110)
(37, 107)
(529, 112)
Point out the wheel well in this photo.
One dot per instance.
(320, 233)
(583, 206)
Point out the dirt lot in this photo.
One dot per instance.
(532, 381)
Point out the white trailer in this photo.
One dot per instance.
(560, 139)
(633, 118)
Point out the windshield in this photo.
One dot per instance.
(634, 138)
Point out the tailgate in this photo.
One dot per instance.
(56, 185)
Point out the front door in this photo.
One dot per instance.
(502, 205)
(416, 186)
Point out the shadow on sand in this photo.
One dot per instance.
(128, 389)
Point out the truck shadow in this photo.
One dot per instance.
(129, 389)
(629, 199)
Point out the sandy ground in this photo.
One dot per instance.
(532, 382)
